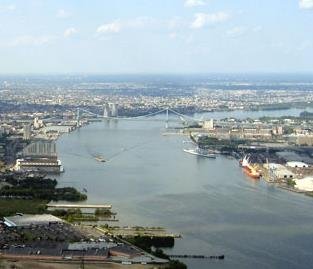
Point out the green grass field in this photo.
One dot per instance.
(12, 206)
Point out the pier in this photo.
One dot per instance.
(220, 257)
(80, 206)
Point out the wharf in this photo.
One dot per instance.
(85, 206)
(220, 257)
(141, 231)
(290, 189)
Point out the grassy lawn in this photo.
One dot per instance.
(12, 206)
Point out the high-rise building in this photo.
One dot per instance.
(110, 110)
(37, 123)
(106, 111)
(27, 132)
(113, 109)
(40, 156)
(2, 147)
(42, 148)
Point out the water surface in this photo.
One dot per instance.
(150, 181)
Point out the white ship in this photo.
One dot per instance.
(201, 152)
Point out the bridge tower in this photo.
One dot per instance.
(166, 122)
(78, 117)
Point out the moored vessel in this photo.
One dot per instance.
(248, 168)
(200, 152)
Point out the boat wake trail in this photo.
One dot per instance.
(128, 149)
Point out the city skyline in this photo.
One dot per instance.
(192, 36)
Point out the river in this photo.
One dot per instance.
(150, 181)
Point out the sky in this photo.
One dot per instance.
(156, 36)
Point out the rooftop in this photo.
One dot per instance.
(21, 220)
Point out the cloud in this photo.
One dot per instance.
(194, 3)
(203, 19)
(7, 8)
(29, 40)
(172, 35)
(306, 4)
(237, 31)
(69, 32)
(304, 46)
(117, 26)
(63, 14)
(257, 29)
(175, 22)
(109, 28)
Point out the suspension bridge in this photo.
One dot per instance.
(166, 111)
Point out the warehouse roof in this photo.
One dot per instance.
(24, 220)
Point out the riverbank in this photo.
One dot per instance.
(23, 193)
(15, 262)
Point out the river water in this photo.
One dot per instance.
(150, 181)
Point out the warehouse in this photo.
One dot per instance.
(25, 220)
(297, 164)
(304, 184)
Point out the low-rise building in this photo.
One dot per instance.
(279, 171)
(26, 220)
(304, 140)
(297, 164)
(304, 184)
(46, 165)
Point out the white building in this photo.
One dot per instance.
(279, 171)
(37, 123)
(27, 132)
(297, 164)
(304, 184)
(106, 111)
(113, 109)
(208, 124)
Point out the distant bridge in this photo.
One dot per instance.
(166, 111)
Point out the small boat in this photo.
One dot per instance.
(200, 152)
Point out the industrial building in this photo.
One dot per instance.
(26, 220)
(279, 171)
(297, 164)
(41, 148)
(208, 124)
(39, 156)
(304, 184)
(45, 165)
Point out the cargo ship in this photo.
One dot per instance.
(248, 168)
(200, 152)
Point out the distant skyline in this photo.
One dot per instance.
(147, 36)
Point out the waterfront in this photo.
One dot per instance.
(150, 181)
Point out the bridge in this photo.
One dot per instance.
(183, 118)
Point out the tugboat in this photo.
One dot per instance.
(99, 158)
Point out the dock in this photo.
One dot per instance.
(80, 206)
(141, 231)
(220, 257)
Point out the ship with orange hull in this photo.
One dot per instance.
(248, 168)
